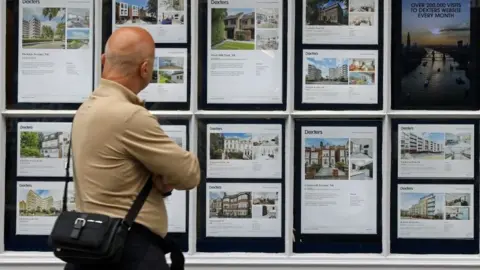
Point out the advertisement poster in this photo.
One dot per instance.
(435, 151)
(176, 203)
(340, 76)
(435, 211)
(244, 51)
(42, 148)
(244, 151)
(435, 55)
(339, 180)
(39, 204)
(165, 20)
(55, 50)
(169, 78)
(340, 21)
(244, 210)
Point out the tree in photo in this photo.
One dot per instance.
(312, 10)
(60, 32)
(218, 25)
(216, 145)
(152, 6)
(29, 144)
(51, 13)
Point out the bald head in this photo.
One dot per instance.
(128, 58)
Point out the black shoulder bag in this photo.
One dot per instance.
(86, 238)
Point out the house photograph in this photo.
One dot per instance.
(233, 29)
(43, 28)
(135, 12)
(327, 12)
(425, 145)
(230, 204)
(44, 144)
(421, 206)
(326, 159)
(170, 63)
(170, 76)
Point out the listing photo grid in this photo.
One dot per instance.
(168, 70)
(244, 146)
(245, 29)
(55, 28)
(149, 12)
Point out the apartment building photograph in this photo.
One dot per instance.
(421, 205)
(426, 146)
(458, 146)
(233, 29)
(39, 202)
(326, 159)
(327, 12)
(230, 204)
(327, 71)
(44, 144)
(136, 12)
(43, 28)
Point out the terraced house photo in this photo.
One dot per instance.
(230, 204)
(136, 12)
(43, 28)
(233, 29)
(326, 159)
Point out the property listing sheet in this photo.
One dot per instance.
(244, 210)
(435, 211)
(340, 76)
(176, 203)
(166, 20)
(169, 78)
(244, 151)
(55, 51)
(339, 180)
(435, 151)
(38, 205)
(42, 148)
(340, 21)
(244, 51)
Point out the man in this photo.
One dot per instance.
(117, 144)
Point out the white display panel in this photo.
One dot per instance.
(244, 151)
(339, 180)
(340, 76)
(165, 20)
(169, 79)
(176, 203)
(42, 148)
(435, 151)
(38, 205)
(55, 54)
(245, 52)
(435, 211)
(340, 22)
(244, 210)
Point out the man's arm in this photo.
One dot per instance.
(147, 142)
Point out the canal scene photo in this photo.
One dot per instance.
(435, 54)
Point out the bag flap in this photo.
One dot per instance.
(82, 230)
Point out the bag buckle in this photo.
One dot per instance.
(77, 227)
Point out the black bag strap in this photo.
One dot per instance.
(137, 204)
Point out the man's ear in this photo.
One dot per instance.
(144, 69)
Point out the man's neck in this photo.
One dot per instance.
(125, 81)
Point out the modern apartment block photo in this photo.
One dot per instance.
(421, 205)
(326, 158)
(230, 204)
(327, 71)
(426, 146)
(43, 28)
(233, 29)
(244, 146)
(458, 146)
(43, 202)
(136, 12)
(458, 199)
(44, 144)
(326, 12)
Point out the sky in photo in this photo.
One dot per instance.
(237, 135)
(408, 199)
(331, 3)
(436, 31)
(140, 3)
(263, 137)
(78, 33)
(216, 195)
(434, 136)
(267, 195)
(234, 11)
(324, 64)
(315, 142)
(77, 12)
(44, 193)
(30, 13)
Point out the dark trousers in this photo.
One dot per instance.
(142, 251)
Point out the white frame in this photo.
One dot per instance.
(42, 261)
